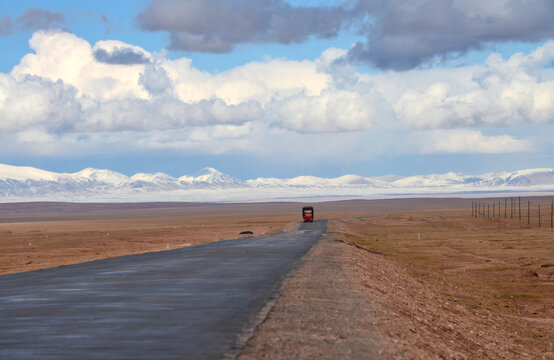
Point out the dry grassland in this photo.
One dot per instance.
(495, 268)
(36, 245)
(41, 235)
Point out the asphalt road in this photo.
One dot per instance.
(190, 303)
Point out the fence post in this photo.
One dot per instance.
(511, 208)
(528, 212)
(488, 211)
(539, 215)
(493, 210)
(551, 212)
(519, 206)
(505, 206)
(472, 209)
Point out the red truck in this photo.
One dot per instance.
(308, 213)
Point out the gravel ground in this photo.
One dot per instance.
(344, 302)
(323, 312)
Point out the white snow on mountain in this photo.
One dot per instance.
(312, 181)
(433, 180)
(211, 177)
(104, 176)
(20, 183)
(530, 177)
(152, 181)
(23, 173)
(153, 178)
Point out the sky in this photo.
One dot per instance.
(277, 88)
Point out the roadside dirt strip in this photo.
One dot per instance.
(189, 303)
(323, 312)
(344, 302)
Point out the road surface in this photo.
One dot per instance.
(190, 303)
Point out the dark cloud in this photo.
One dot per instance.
(121, 56)
(400, 34)
(404, 34)
(104, 18)
(107, 22)
(217, 26)
(6, 25)
(31, 19)
(35, 19)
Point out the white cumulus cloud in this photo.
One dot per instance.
(332, 111)
(69, 90)
(60, 55)
(471, 142)
(501, 93)
(34, 101)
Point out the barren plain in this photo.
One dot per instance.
(40, 235)
(409, 278)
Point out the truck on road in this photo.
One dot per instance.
(308, 213)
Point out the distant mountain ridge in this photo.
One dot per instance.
(27, 183)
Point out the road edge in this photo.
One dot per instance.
(248, 331)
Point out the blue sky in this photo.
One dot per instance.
(276, 88)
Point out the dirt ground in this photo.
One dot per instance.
(28, 246)
(392, 279)
(48, 234)
(421, 285)
(42, 235)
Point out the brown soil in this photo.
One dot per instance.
(464, 289)
(48, 234)
(41, 235)
(28, 246)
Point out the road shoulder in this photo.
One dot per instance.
(322, 312)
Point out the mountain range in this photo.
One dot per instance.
(18, 183)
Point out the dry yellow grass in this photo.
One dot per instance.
(40, 235)
(28, 246)
(499, 265)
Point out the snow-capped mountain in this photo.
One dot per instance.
(313, 181)
(23, 173)
(19, 183)
(103, 176)
(530, 177)
(158, 181)
(210, 177)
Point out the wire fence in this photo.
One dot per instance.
(539, 213)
